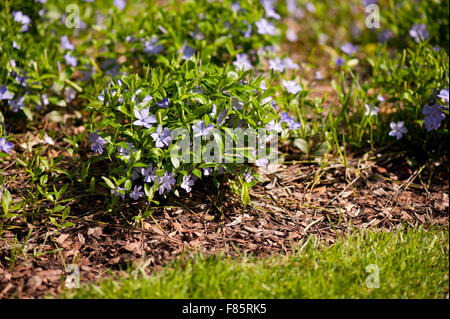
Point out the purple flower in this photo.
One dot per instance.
(118, 191)
(236, 104)
(235, 7)
(248, 33)
(398, 129)
(98, 142)
(222, 117)
(70, 60)
(291, 86)
(164, 104)
(339, 61)
(48, 140)
(17, 104)
(187, 51)
(289, 64)
(291, 35)
(144, 118)
(70, 93)
(200, 129)
(385, 35)
(265, 27)
(15, 45)
(443, 94)
(120, 4)
(161, 137)
(123, 151)
(65, 43)
(207, 171)
(262, 162)
(433, 116)
(5, 146)
(349, 48)
(270, 10)
(371, 111)
(276, 65)
(419, 32)
(167, 181)
(149, 173)
(136, 192)
(273, 126)
(152, 46)
(23, 19)
(5, 94)
(293, 125)
(242, 62)
(93, 137)
(187, 183)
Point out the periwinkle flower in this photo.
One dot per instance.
(125, 151)
(164, 104)
(118, 191)
(70, 60)
(222, 117)
(291, 86)
(98, 142)
(65, 43)
(349, 48)
(291, 35)
(22, 19)
(262, 162)
(136, 192)
(398, 129)
(270, 10)
(70, 93)
(248, 32)
(152, 46)
(200, 129)
(120, 4)
(207, 171)
(235, 7)
(419, 32)
(276, 65)
(149, 173)
(274, 126)
(15, 45)
(161, 137)
(265, 27)
(236, 104)
(293, 125)
(187, 51)
(242, 62)
(443, 95)
(289, 64)
(433, 116)
(17, 104)
(339, 61)
(187, 183)
(167, 181)
(385, 35)
(5, 94)
(48, 140)
(144, 118)
(371, 111)
(5, 146)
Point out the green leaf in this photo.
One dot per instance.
(245, 197)
(302, 145)
(108, 183)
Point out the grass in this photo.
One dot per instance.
(413, 263)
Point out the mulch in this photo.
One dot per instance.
(295, 201)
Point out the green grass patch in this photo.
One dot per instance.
(413, 263)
